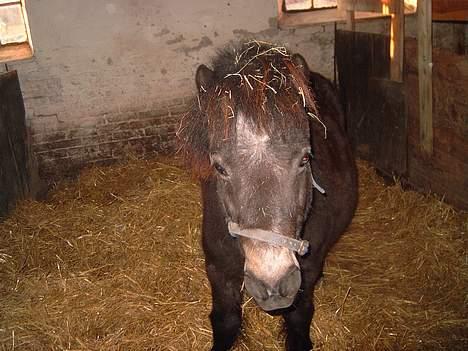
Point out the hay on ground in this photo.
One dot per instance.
(112, 261)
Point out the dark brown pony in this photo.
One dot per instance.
(278, 180)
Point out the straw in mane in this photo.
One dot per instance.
(263, 81)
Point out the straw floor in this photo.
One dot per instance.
(112, 261)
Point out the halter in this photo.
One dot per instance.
(299, 246)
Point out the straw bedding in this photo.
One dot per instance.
(112, 261)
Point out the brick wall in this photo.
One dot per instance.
(106, 137)
(108, 77)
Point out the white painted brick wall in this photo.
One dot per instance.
(104, 70)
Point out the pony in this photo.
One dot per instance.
(265, 138)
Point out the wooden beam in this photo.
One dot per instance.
(397, 38)
(14, 51)
(298, 19)
(350, 20)
(350, 16)
(288, 20)
(450, 10)
(425, 74)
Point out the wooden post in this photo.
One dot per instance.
(350, 18)
(425, 74)
(397, 39)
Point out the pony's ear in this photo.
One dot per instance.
(204, 78)
(301, 64)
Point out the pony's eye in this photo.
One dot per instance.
(305, 160)
(220, 169)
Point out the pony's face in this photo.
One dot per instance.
(252, 124)
(264, 182)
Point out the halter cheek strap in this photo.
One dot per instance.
(316, 185)
(299, 246)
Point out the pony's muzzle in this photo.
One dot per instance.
(276, 295)
(272, 273)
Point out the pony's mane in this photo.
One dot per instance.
(260, 80)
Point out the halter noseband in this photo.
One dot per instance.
(299, 246)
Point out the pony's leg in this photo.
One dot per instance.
(226, 313)
(298, 320)
(297, 323)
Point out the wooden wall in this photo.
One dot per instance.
(450, 10)
(445, 172)
(18, 172)
(383, 116)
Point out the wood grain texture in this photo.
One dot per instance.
(445, 171)
(450, 10)
(18, 169)
(397, 35)
(425, 74)
(374, 105)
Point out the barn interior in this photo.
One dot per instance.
(100, 220)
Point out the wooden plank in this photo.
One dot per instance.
(362, 5)
(359, 57)
(350, 20)
(287, 20)
(449, 5)
(445, 172)
(374, 105)
(307, 18)
(11, 148)
(350, 16)
(425, 74)
(18, 171)
(449, 16)
(450, 10)
(368, 5)
(13, 52)
(397, 40)
(388, 144)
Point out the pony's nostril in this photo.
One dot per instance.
(290, 283)
(271, 292)
(255, 287)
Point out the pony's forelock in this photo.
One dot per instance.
(258, 79)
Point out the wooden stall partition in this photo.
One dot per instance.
(445, 172)
(18, 170)
(383, 120)
(450, 10)
(374, 104)
(425, 64)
